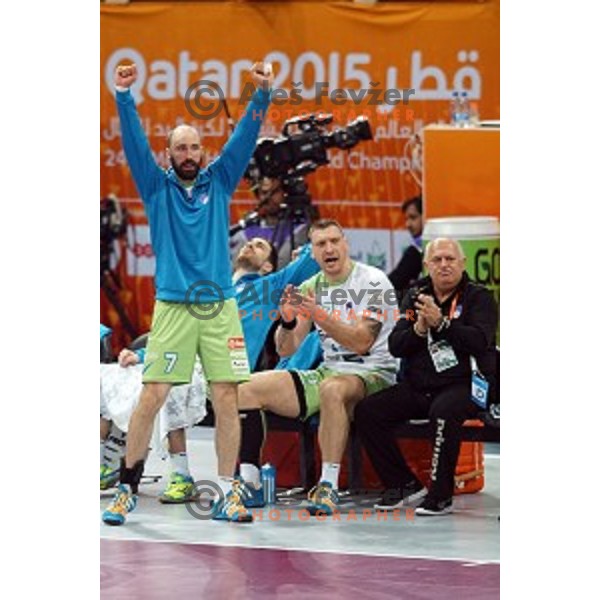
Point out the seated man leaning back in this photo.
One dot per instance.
(353, 307)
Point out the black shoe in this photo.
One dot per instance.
(398, 497)
(431, 507)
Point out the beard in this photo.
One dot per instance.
(244, 262)
(250, 264)
(187, 170)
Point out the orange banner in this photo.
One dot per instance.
(461, 174)
(341, 58)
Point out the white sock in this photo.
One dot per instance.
(225, 483)
(101, 452)
(179, 463)
(331, 472)
(250, 474)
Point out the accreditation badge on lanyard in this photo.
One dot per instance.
(479, 386)
(441, 352)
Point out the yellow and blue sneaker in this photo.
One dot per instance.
(123, 502)
(322, 499)
(231, 507)
(180, 489)
(108, 477)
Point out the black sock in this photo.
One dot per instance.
(133, 475)
(253, 436)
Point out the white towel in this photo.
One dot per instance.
(120, 389)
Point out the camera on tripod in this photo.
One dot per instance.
(302, 149)
(299, 150)
(302, 146)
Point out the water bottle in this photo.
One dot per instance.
(267, 477)
(464, 109)
(455, 109)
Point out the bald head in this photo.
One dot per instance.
(445, 260)
(180, 131)
(434, 244)
(185, 152)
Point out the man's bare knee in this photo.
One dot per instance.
(249, 397)
(224, 398)
(340, 394)
(331, 394)
(270, 390)
(224, 389)
(153, 397)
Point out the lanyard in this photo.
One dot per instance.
(453, 306)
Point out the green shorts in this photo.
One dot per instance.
(307, 385)
(177, 337)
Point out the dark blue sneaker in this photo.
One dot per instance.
(253, 497)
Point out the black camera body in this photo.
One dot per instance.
(303, 144)
(299, 150)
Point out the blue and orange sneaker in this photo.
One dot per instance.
(123, 502)
(108, 477)
(231, 507)
(322, 499)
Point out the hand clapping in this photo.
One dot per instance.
(429, 313)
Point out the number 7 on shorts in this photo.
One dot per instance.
(171, 358)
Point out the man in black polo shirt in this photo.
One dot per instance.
(447, 321)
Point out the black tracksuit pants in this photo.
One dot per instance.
(377, 415)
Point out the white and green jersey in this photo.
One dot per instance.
(366, 293)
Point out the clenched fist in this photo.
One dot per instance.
(125, 75)
(262, 75)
